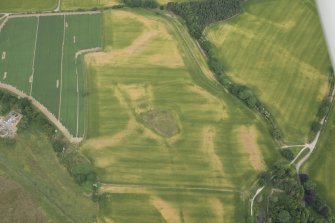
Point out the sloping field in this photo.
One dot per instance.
(27, 5)
(321, 163)
(49, 49)
(35, 187)
(266, 49)
(156, 120)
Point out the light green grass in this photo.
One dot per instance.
(17, 40)
(145, 75)
(33, 164)
(320, 166)
(281, 56)
(27, 5)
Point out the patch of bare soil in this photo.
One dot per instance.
(217, 208)
(169, 213)
(162, 122)
(208, 136)
(113, 140)
(153, 29)
(17, 205)
(248, 139)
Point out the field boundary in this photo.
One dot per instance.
(78, 54)
(61, 70)
(31, 79)
(44, 110)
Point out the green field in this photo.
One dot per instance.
(50, 72)
(27, 5)
(20, 48)
(172, 206)
(144, 88)
(37, 187)
(320, 165)
(281, 56)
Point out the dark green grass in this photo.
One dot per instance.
(33, 164)
(17, 39)
(48, 62)
(27, 5)
(86, 31)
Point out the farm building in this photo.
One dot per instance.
(8, 124)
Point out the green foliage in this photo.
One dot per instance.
(287, 154)
(141, 3)
(199, 14)
(293, 198)
(316, 127)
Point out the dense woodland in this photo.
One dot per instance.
(292, 197)
(141, 3)
(199, 14)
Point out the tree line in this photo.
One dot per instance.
(199, 14)
(293, 198)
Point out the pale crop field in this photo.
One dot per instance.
(27, 5)
(86, 4)
(48, 51)
(281, 56)
(154, 120)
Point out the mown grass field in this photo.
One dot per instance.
(266, 49)
(17, 43)
(50, 72)
(27, 5)
(320, 165)
(219, 143)
(37, 188)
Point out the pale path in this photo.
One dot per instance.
(61, 71)
(129, 187)
(253, 198)
(44, 110)
(58, 6)
(31, 79)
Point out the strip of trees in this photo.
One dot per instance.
(141, 3)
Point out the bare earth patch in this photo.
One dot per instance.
(248, 138)
(169, 213)
(217, 208)
(208, 136)
(113, 140)
(153, 29)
